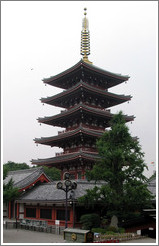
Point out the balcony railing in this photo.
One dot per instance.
(77, 149)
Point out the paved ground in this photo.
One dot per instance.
(25, 236)
(144, 240)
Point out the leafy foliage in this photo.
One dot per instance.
(10, 192)
(91, 199)
(152, 176)
(52, 172)
(121, 165)
(89, 221)
(12, 166)
(108, 230)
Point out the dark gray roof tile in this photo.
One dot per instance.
(23, 178)
(49, 192)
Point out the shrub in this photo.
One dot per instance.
(99, 230)
(121, 230)
(89, 221)
(104, 223)
(112, 228)
(110, 232)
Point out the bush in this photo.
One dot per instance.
(110, 232)
(104, 222)
(99, 230)
(121, 230)
(112, 228)
(89, 221)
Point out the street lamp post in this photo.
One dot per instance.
(66, 186)
(72, 196)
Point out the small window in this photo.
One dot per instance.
(31, 212)
(60, 214)
(45, 213)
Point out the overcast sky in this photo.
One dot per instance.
(42, 38)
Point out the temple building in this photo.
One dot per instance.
(25, 180)
(86, 113)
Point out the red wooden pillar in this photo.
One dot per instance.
(53, 214)
(9, 210)
(37, 212)
(18, 210)
(71, 217)
(83, 174)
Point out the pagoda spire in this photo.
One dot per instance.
(85, 39)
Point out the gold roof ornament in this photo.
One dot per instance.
(85, 39)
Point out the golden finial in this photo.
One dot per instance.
(85, 39)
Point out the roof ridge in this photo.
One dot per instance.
(91, 66)
(79, 107)
(32, 177)
(63, 72)
(24, 170)
(66, 156)
(80, 128)
(86, 85)
(31, 174)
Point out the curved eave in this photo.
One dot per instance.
(66, 158)
(31, 179)
(83, 65)
(106, 73)
(57, 99)
(78, 110)
(53, 141)
(41, 177)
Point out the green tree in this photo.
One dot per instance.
(12, 166)
(152, 176)
(89, 221)
(10, 192)
(121, 165)
(52, 172)
(5, 172)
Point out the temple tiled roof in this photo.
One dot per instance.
(22, 178)
(68, 134)
(152, 186)
(66, 158)
(49, 193)
(82, 66)
(59, 98)
(80, 108)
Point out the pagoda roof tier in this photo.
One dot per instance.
(87, 72)
(63, 159)
(82, 112)
(79, 132)
(108, 99)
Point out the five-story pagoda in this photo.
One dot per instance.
(86, 115)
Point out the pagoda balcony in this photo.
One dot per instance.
(87, 104)
(85, 149)
(87, 126)
(84, 93)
